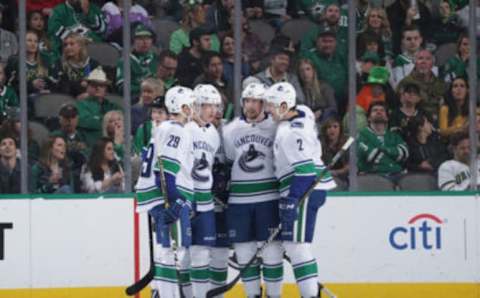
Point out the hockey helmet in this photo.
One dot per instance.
(282, 92)
(177, 97)
(207, 94)
(254, 90)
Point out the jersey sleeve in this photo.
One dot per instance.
(451, 178)
(299, 153)
(148, 193)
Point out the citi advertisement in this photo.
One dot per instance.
(422, 231)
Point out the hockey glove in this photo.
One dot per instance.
(287, 210)
(172, 213)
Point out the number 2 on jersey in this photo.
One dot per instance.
(300, 144)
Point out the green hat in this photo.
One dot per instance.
(378, 75)
(142, 30)
(370, 56)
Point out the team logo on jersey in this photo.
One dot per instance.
(252, 160)
(199, 165)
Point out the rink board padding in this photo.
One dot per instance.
(367, 245)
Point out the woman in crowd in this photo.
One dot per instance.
(39, 75)
(150, 89)
(103, 173)
(453, 116)
(36, 22)
(378, 25)
(319, 96)
(426, 150)
(457, 65)
(51, 174)
(333, 138)
(113, 128)
(75, 65)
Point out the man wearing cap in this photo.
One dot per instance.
(143, 61)
(277, 71)
(432, 88)
(333, 18)
(92, 109)
(190, 59)
(79, 16)
(77, 150)
(375, 89)
(408, 109)
(331, 66)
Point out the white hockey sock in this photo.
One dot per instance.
(251, 278)
(304, 267)
(166, 281)
(273, 268)
(199, 271)
(218, 266)
(184, 266)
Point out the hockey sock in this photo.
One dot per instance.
(304, 267)
(272, 269)
(218, 266)
(251, 277)
(199, 272)
(166, 281)
(184, 264)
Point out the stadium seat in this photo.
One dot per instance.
(264, 30)
(104, 53)
(445, 52)
(372, 182)
(295, 29)
(116, 99)
(418, 182)
(39, 132)
(48, 105)
(163, 29)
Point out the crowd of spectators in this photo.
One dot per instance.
(412, 112)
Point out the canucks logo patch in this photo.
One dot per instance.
(252, 160)
(200, 169)
(296, 125)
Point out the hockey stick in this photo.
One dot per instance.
(222, 289)
(147, 278)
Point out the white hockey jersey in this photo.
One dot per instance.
(249, 147)
(171, 144)
(455, 176)
(206, 142)
(298, 151)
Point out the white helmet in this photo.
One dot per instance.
(177, 97)
(207, 94)
(279, 93)
(254, 90)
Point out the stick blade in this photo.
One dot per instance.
(141, 284)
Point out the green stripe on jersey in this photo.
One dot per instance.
(202, 197)
(252, 272)
(201, 274)
(219, 276)
(149, 196)
(305, 169)
(169, 166)
(252, 187)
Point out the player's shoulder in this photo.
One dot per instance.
(232, 125)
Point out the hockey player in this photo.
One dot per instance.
(221, 180)
(170, 155)
(206, 142)
(297, 160)
(253, 198)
